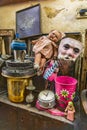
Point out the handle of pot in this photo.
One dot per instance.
(84, 99)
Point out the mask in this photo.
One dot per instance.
(69, 49)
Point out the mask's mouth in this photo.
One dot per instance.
(65, 57)
(69, 58)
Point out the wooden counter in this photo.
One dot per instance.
(18, 116)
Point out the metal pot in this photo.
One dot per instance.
(46, 99)
(84, 99)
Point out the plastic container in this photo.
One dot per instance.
(65, 87)
(16, 88)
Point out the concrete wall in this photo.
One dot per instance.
(55, 14)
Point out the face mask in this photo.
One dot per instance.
(69, 49)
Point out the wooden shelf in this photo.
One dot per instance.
(4, 99)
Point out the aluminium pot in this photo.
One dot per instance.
(46, 99)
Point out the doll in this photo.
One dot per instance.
(70, 111)
(45, 48)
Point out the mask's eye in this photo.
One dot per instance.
(76, 50)
(66, 46)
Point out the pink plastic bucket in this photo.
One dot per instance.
(65, 87)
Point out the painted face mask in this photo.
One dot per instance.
(69, 49)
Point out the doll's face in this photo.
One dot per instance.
(55, 36)
(69, 49)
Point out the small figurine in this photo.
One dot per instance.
(45, 48)
(70, 111)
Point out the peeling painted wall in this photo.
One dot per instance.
(55, 14)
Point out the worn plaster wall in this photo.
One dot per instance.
(55, 14)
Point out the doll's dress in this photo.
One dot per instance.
(44, 46)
